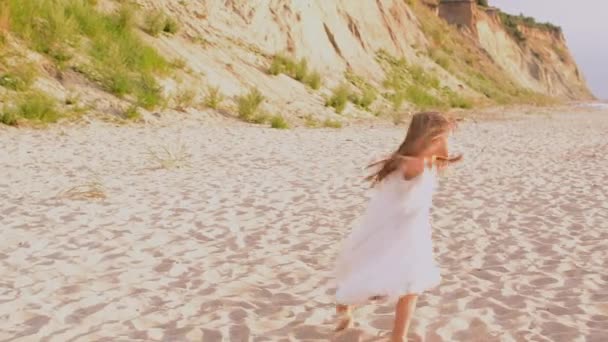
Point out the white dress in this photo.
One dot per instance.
(390, 253)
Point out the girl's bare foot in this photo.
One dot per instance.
(345, 317)
(344, 323)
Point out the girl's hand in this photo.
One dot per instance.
(443, 161)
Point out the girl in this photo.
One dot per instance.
(390, 254)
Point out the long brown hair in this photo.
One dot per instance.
(423, 128)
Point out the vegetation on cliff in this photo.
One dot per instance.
(512, 25)
(456, 53)
(75, 36)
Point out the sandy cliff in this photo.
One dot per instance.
(541, 62)
(394, 55)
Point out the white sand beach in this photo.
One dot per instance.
(210, 232)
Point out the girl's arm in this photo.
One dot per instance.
(437, 153)
(412, 167)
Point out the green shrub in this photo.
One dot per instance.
(422, 78)
(328, 123)
(421, 98)
(511, 25)
(457, 101)
(179, 63)
(278, 122)
(157, 22)
(213, 97)
(131, 113)
(125, 18)
(339, 98)
(154, 23)
(282, 64)
(35, 106)
(368, 92)
(366, 99)
(8, 118)
(511, 22)
(483, 3)
(171, 26)
(118, 82)
(19, 78)
(249, 104)
(313, 80)
(299, 71)
(148, 92)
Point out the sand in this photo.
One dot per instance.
(214, 232)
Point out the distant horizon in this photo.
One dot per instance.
(585, 27)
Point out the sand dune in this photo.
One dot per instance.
(191, 232)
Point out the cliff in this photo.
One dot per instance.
(307, 61)
(535, 55)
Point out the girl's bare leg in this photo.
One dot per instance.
(345, 318)
(403, 317)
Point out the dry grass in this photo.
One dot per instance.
(91, 190)
(169, 157)
(184, 98)
(213, 97)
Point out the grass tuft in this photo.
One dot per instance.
(421, 98)
(171, 26)
(213, 97)
(311, 122)
(339, 98)
(93, 189)
(279, 122)
(329, 123)
(148, 92)
(249, 104)
(184, 98)
(154, 24)
(19, 78)
(313, 80)
(34, 106)
(169, 157)
(131, 113)
(366, 99)
(297, 70)
(9, 118)
(368, 92)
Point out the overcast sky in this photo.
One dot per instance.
(585, 25)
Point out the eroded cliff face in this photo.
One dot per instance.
(240, 37)
(399, 50)
(541, 61)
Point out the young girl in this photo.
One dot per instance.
(390, 254)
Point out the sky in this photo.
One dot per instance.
(585, 25)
